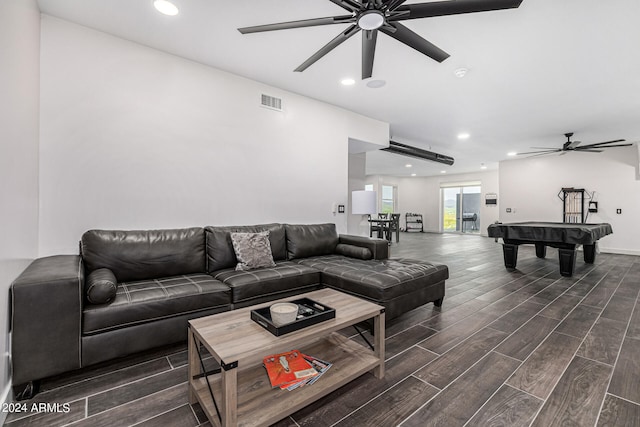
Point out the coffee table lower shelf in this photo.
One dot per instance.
(260, 405)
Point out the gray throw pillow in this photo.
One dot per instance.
(253, 250)
(101, 286)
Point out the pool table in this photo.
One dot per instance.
(563, 236)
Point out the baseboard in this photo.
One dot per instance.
(619, 251)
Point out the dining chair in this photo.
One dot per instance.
(377, 227)
(394, 226)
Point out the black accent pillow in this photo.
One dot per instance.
(353, 251)
(101, 286)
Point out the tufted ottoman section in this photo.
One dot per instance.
(399, 284)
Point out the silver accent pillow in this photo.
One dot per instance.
(253, 250)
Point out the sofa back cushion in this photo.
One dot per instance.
(220, 252)
(307, 240)
(145, 254)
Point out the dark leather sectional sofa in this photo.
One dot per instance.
(166, 277)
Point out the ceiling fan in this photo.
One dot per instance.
(575, 146)
(372, 16)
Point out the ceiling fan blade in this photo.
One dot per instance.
(605, 146)
(588, 150)
(547, 151)
(441, 8)
(340, 38)
(598, 144)
(350, 5)
(298, 24)
(393, 4)
(411, 39)
(534, 154)
(369, 38)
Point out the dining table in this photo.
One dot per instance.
(383, 229)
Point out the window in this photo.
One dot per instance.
(368, 187)
(388, 199)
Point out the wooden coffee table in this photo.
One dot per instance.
(242, 390)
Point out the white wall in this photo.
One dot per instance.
(422, 195)
(136, 138)
(356, 225)
(19, 83)
(530, 187)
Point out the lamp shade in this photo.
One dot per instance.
(363, 202)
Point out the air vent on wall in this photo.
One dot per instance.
(418, 153)
(271, 102)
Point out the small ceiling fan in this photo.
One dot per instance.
(575, 146)
(372, 16)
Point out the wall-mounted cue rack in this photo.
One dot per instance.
(573, 205)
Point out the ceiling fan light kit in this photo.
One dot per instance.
(371, 16)
(371, 20)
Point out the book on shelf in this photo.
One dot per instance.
(293, 369)
(287, 368)
(320, 367)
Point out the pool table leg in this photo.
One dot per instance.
(589, 253)
(510, 253)
(541, 250)
(567, 258)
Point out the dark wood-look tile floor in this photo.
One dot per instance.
(514, 348)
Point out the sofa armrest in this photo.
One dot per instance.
(379, 247)
(46, 316)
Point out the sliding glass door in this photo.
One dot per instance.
(461, 209)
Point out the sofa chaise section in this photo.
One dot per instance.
(400, 285)
(359, 266)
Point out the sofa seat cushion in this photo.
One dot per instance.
(285, 276)
(150, 300)
(379, 280)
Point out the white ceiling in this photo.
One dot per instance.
(535, 73)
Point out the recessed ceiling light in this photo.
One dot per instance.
(443, 171)
(463, 135)
(483, 166)
(460, 72)
(511, 153)
(408, 165)
(413, 174)
(375, 84)
(348, 82)
(165, 7)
